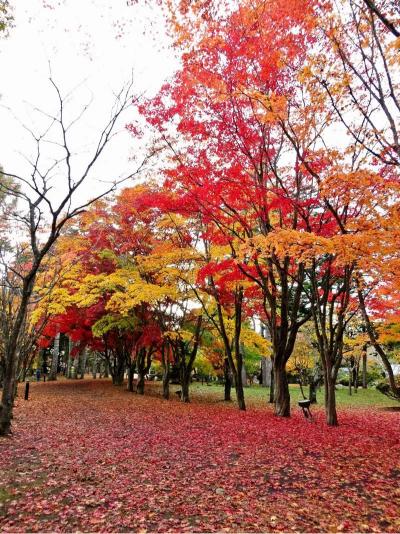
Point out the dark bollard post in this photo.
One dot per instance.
(27, 391)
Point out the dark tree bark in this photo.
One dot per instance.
(186, 364)
(364, 369)
(227, 381)
(118, 377)
(82, 363)
(282, 396)
(284, 313)
(131, 372)
(272, 387)
(140, 365)
(330, 402)
(117, 368)
(382, 17)
(11, 356)
(237, 379)
(106, 369)
(330, 317)
(185, 390)
(143, 364)
(237, 370)
(356, 373)
(94, 366)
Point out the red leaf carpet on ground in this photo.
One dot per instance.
(86, 456)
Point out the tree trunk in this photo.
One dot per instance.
(7, 398)
(301, 385)
(140, 371)
(83, 364)
(330, 402)
(240, 398)
(356, 372)
(11, 355)
(165, 378)
(68, 368)
(244, 376)
(23, 375)
(185, 381)
(1, 374)
(119, 378)
(165, 383)
(364, 370)
(140, 384)
(119, 370)
(94, 367)
(147, 362)
(282, 396)
(237, 379)
(69, 362)
(184, 375)
(228, 381)
(186, 365)
(272, 386)
(24, 368)
(131, 372)
(119, 364)
(350, 380)
(237, 382)
(266, 367)
(54, 361)
(40, 243)
(239, 353)
(240, 394)
(313, 392)
(106, 369)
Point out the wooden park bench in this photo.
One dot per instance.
(305, 406)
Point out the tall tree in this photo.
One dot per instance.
(230, 162)
(43, 217)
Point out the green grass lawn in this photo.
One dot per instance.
(258, 396)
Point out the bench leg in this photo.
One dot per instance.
(307, 414)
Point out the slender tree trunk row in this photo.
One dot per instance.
(11, 359)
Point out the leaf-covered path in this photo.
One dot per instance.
(86, 456)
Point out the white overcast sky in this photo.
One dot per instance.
(98, 42)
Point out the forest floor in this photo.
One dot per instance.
(86, 456)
